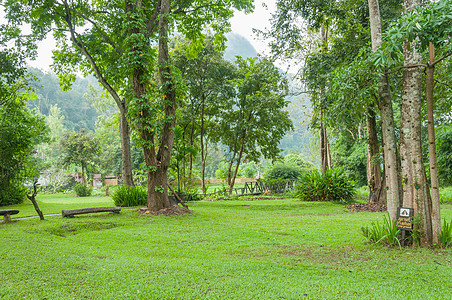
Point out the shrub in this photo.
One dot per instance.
(82, 190)
(283, 171)
(16, 194)
(386, 232)
(125, 195)
(333, 185)
(445, 238)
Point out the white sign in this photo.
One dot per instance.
(404, 212)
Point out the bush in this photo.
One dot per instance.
(445, 238)
(333, 185)
(283, 171)
(130, 196)
(16, 194)
(386, 232)
(82, 190)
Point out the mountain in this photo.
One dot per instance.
(238, 45)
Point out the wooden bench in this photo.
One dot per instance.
(71, 212)
(7, 214)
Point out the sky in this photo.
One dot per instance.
(241, 23)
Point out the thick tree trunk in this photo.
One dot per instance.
(435, 212)
(374, 179)
(415, 189)
(387, 118)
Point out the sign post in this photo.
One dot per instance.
(404, 220)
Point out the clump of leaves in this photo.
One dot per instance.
(333, 185)
(283, 171)
(383, 233)
(445, 238)
(130, 196)
(82, 190)
(190, 193)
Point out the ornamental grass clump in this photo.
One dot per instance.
(130, 196)
(333, 185)
(386, 232)
(445, 238)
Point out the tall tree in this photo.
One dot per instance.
(255, 121)
(207, 78)
(118, 47)
(79, 148)
(96, 50)
(388, 127)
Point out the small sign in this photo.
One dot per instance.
(405, 218)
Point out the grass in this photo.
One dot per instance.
(241, 249)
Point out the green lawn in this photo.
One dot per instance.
(266, 249)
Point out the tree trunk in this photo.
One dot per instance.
(124, 128)
(415, 188)
(122, 106)
(387, 118)
(237, 165)
(436, 215)
(374, 179)
(203, 152)
(325, 156)
(85, 181)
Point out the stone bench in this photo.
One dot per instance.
(7, 214)
(71, 212)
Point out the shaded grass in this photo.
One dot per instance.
(266, 249)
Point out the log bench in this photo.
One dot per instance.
(69, 213)
(6, 213)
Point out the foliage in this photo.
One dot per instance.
(125, 195)
(190, 193)
(445, 194)
(333, 185)
(82, 190)
(444, 154)
(350, 155)
(283, 171)
(255, 121)
(384, 233)
(21, 130)
(53, 180)
(445, 238)
(79, 148)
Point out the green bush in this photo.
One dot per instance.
(14, 195)
(445, 238)
(284, 171)
(125, 195)
(385, 233)
(82, 190)
(333, 185)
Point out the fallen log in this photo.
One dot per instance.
(69, 213)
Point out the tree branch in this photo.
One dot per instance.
(104, 35)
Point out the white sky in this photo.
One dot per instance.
(240, 23)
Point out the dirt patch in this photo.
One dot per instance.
(170, 211)
(372, 207)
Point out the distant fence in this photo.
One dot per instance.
(258, 188)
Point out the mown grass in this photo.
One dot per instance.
(241, 249)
